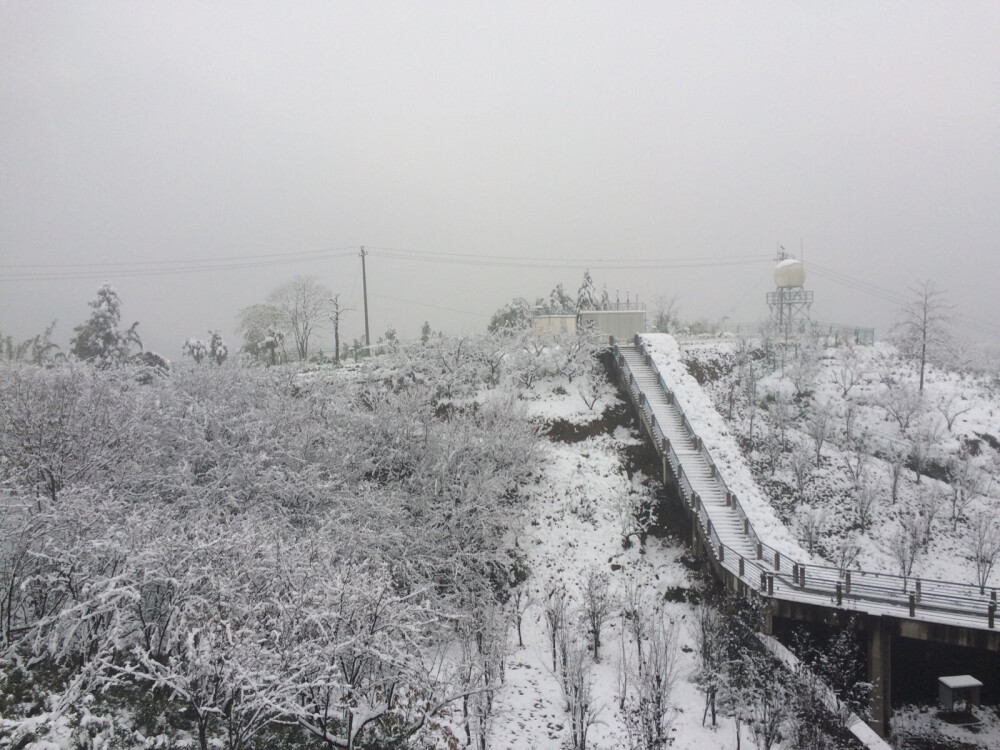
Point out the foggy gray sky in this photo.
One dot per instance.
(606, 134)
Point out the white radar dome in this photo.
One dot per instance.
(789, 273)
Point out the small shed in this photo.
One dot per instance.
(958, 687)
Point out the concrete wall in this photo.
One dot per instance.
(622, 324)
(553, 324)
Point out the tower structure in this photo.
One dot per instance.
(789, 302)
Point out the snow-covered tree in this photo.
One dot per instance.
(985, 546)
(513, 317)
(865, 498)
(195, 348)
(922, 330)
(905, 546)
(902, 403)
(100, 339)
(587, 297)
(849, 370)
(560, 302)
(648, 703)
(39, 349)
(217, 349)
(818, 426)
(665, 316)
(303, 305)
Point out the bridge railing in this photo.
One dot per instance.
(776, 574)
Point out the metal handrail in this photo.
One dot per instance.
(841, 588)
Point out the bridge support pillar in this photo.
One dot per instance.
(668, 475)
(767, 626)
(880, 672)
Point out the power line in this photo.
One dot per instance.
(53, 272)
(967, 322)
(426, 304)
(570, 263)
(127, 263)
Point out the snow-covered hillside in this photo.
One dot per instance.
(857, 462)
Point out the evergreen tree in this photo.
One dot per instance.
(99, 339)
(586, 297)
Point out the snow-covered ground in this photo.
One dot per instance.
(823, 505)
(573, 523)
(580, 500)
(924, 728)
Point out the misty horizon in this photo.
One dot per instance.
(481, 153)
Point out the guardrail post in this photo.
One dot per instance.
(763, 581)
(991, 615)
(802, 576)
(913, 605)
(722, 553)
(746, 527)
(713, 472)
(795, 573)
(847, 582)
(741, 566)
(665, 443)
(777, 560)
(770, 585)
(918, 589)
(760, 552)
(642, 398)
(840, 595)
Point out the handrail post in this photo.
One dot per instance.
(760, 552)
(840, 595)
(746, 527)
(913, 605)
(918, 589)
(802, 576)
(795, 573)
(770, 585)
(847, 582)
(742, 567)
(992, 615)
(777, 560)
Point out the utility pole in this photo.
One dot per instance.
(364, 287)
